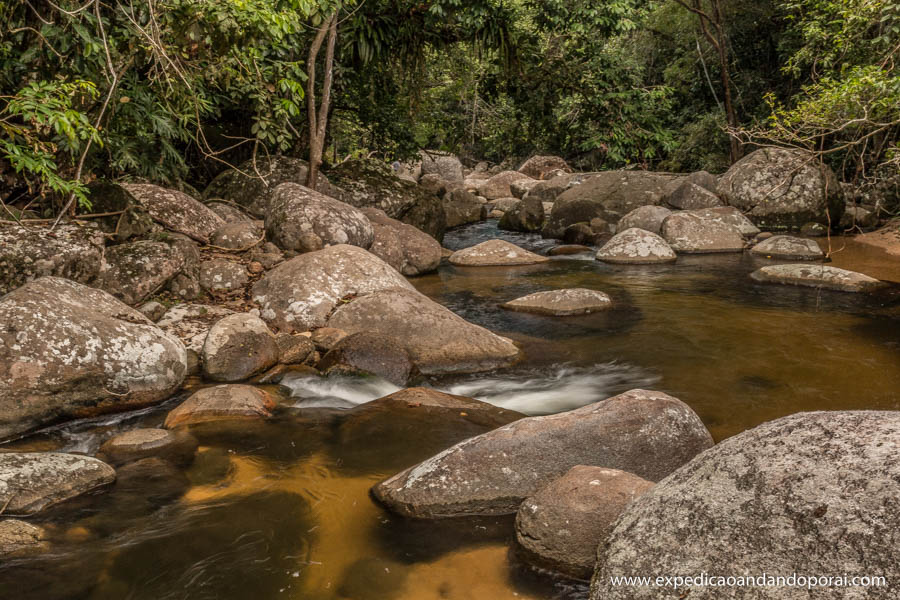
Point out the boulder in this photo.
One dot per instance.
(175, 446)
(568, 250)
(505, 204)
(252, 183)
(303, 220)
(561, 303)
(579, 234)
(222, 276)
(560, 527)
(428, 400)
(813, 230)
(174, 210)
(521, 187)
(70, 351)
(134, 271)
(705, 180)
(238, 347)
(538, 167)
(18, 538)
(446, 166)
(190, 323)
(690, 196)
(493, 253)
(812, 494)
(646, 433)
(728, 215)
(34, 481)
(293, 349)
(550, 189)
(649, 218)
(185, 284)
(636, 247)
(230, 213)
(690, 233)
(407, 249)
(857, 216)
(780, 188)
(369, 353)
(498, 185)
(368, 183)
(241, 235)
(326, 338)
(609, 195)
(437, 340)
(786, 247)
(526, 215)
(222, 402)
(153, 310)
(72, 251)
(461, 208)
(299, 294)
(817, 276)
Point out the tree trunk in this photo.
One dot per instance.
(318, 117)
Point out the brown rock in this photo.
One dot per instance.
(222, 402)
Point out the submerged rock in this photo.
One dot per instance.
(18, 538)
(70, 351)
(238, 347)
(636, 247)
(300, 293)
(649, 218)
(786, 247)
(369, 353)
(495, 253)
(220, 402)
(812, 494)
(33, 481)
(817, 276)
(71, 251)
(175, 446)
(438, 340)
(561, 525)
(561, 303)
(691, 233)
(646, 433)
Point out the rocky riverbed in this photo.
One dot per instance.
(265, 391)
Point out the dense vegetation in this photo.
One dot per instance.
(176, 90)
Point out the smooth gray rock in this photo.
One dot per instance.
(498, 186)
(495, 253)
(34, 481)
(636, 247)
(786, 247)
(728, 215)
(646, 433)
(409, 250)
(817, 276)
(811, 494)
(561, 303)
(649, 218)
(238, 347)
(691, 233)
(690, 196)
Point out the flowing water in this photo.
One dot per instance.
(281, 509)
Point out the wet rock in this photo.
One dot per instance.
(813, 230)
(817, 276)
(293, 349)
(811, 494)
(135, 271)
(777, 187)
(190, 323)
(561, 526)
(568, 250)
(438, 340)
(175, 446)
(34, 481)
(690, 233)
(461, 208)
(561, 303)
(446, 166)
(420, 399)
(222, 402)
(690, 196)
(526, 215)
(303, 220)
(299, 294)
(609, 195)
(229, 212)
(69, 351)
(636, 247)
(237, 348)
(368, 353)
(649, 218)
(175, 210)
(153, 479)
(71, 251)
(857, 216)
(498, 186)
(407, 249)
(495, 253)
(646, 433)
(326, 338)
(18, 538)
(786, 247)
(538, 167)
(579, 234)
(242, 235)
(221, 276)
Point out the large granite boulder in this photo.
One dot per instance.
(238, 347)
(786, 247)
(300, 293)
(728, 215)
(134, 271)
(447, 166)
(33, 481)
(69, 351)
(636, 247)
(548, 190)
(239, 236)
(527, 216)
(561, 303)
(813, 494)
(223, 276)
(461, 208)
(560, 527)
(407, 249)
(691, 233)
(690, 196)
(779, 188)
(609, 195)
(498, 186)
(495, 253)
(538, 167)
(437, 340)
(649, 218)
(303, 220)
(817, 276)
(71, 251)
(646, 433)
